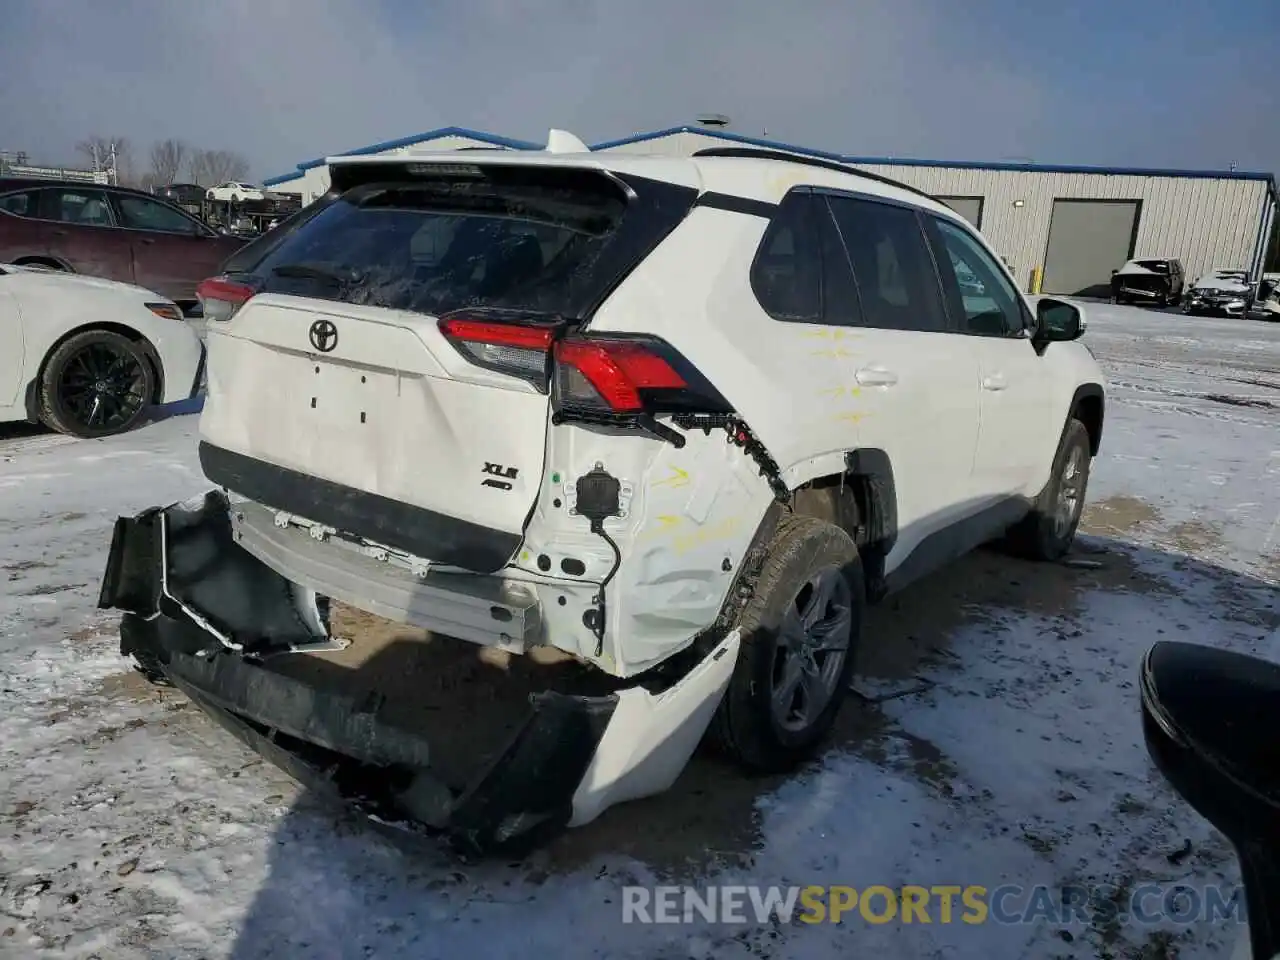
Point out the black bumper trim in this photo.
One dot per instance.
(416, 530)
(335, 743)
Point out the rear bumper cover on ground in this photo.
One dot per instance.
(207, 614)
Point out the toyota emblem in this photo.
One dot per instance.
(324, 335)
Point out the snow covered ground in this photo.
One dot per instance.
(131, 827)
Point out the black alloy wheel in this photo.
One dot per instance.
(96, 384)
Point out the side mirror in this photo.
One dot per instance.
(1057, 320)
(1201, 710)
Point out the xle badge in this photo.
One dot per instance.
(498, 476)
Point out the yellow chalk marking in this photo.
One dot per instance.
(850, 417)
(830, 333)
(835, 353)
(704, 535)
(841, 392)
(678, 478)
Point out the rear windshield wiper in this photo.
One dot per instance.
(308, 271)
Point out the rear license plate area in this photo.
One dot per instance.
(342, 395)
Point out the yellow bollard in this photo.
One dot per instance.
(1037, 277)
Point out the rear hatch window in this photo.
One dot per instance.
(536, 240)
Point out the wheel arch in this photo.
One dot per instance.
(43, 260)
(31, 398)
(856, 492)
(1088, 405)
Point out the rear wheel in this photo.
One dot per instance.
(800, 634)
(1047, 532)
(95, 384)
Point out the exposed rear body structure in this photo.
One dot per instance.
(675, 420)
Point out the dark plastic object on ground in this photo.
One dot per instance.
(1209, 717)
(167, 564)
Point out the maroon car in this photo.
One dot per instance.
(110, 232)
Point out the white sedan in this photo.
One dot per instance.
(87, 357)
(235, 192)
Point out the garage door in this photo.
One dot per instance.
(1087, 240)
(968, 207)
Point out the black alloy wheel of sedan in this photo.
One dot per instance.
(96, 384)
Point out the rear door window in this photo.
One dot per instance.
(75, 205)
(894, 271)
(541, 240)
(139, 213)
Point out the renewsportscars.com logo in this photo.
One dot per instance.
(911, 904)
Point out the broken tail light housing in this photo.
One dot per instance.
(221, 297)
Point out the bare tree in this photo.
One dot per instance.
(167, 160)
(210, 167)
(111, 154)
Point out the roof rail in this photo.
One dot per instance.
(751, 153)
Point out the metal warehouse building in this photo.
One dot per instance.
(1069, 226)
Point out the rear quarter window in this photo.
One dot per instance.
(786, 275)
(19, 204)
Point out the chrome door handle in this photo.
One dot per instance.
(876, 377)
(996, 381)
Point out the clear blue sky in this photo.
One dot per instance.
(1147, 83)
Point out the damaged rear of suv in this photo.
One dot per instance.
(389, 410)
(515, 401)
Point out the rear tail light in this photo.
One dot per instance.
(596, 378)
(622, 377)
(221, 297)
(516, 349)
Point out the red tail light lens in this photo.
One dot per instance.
(611, 374)
(516, 349)
(624, 377)
(594, 377)
(221, 297)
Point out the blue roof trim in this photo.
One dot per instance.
(952, 164)
(480, 135)
(1268, 178)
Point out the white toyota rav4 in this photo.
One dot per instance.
(680, 418)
